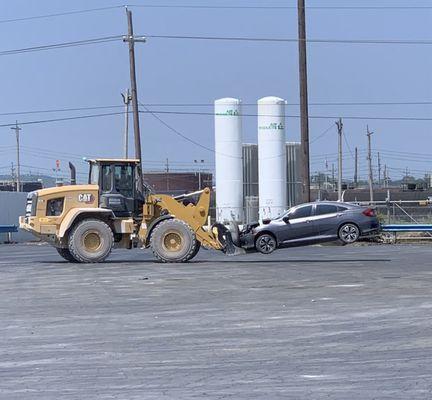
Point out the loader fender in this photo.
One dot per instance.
(153, 225)
(77, 213)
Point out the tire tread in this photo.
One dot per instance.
(191, 253)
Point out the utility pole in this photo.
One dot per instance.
(304, 113)
(369, 157)
(167, 174)
(379, 170)
(17, 129)
(126, 101)
(131, 39)
(333, 176)
(385, 176)
(340, 132)
(356, 168)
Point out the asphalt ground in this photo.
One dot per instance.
(305, 323)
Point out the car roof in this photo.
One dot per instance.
(327, 202)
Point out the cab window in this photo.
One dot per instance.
(94, 174)
(124, 180)
(106, 178)
(301, 212)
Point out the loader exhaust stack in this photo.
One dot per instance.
(73, 174)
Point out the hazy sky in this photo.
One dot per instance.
(183, 71)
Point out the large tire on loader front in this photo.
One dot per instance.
(66, 254)
(173, 241)
(91, 241)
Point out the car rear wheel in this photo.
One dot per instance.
(265, 243)
(349, 233)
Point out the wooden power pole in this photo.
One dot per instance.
(131, 39)
(340, 132)
(356, 168)
(369, 134)
(304, 113)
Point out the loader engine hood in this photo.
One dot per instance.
(58, 200)
(63, 190)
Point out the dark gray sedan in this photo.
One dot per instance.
(311, 223)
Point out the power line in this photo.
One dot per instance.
(291, 40)
(89, 10)
(172, 129)
(322, 134)
(210, 7)
(61, 45)
(89, 108)
(63, 119)
(155, 112)
(353, 117)
(59, 110)
(231, 7)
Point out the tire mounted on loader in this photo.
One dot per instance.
(173, 241)
(90, 241)
(66, 254)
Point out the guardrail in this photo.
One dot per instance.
(406, 228)
(8, 229)
(392, 231)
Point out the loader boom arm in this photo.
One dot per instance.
(194, 215)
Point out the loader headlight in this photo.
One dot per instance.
(55, 207)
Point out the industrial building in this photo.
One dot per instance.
(175, 183)
(10, 186)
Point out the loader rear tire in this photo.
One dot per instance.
(91, 241)
(66, 254)
(173, 241)
(197, 249)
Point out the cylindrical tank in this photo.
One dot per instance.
(271, 157)
(229, 172)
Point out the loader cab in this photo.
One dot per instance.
(118, 188)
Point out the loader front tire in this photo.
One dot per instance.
(173, 241)
(66, 254)
(91, 241)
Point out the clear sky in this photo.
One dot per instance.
(198, 72)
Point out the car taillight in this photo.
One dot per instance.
(369, 212)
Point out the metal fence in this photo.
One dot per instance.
(12, 205)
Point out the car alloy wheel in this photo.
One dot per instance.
(349, 233)
(266, 244)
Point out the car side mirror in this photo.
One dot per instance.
(286, 219)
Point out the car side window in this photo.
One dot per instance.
(322, 209)
(301, 212)
(341, 209)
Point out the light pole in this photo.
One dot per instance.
(17, 129)
(126, 101)
(199, 162)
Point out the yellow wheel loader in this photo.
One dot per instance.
(115, 209)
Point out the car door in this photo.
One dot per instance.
(299, 226)
(327, 218)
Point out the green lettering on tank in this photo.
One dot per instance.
(231, 113)
(273, 126)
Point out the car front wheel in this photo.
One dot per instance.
(349, 233)
(266, 244)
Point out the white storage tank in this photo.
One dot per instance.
(228, 157)
(271, 157)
